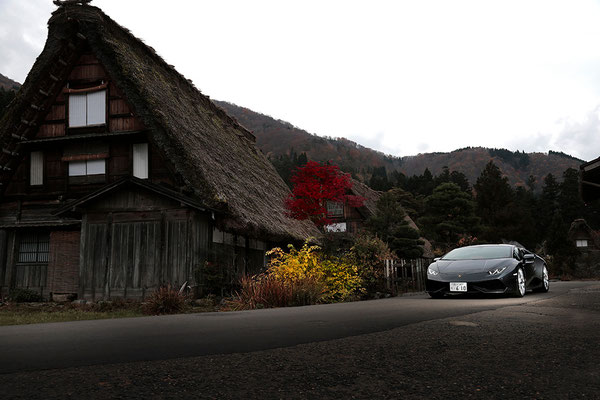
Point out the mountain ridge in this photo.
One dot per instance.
(277, 138)
(8, 84)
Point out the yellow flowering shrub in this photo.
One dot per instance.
(339, 275)
(295, 264)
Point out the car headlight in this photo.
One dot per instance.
(496, 271)
(431, 271)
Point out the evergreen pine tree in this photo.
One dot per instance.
(569, 201)
(495, 204)
(449, 214)
(389, 223)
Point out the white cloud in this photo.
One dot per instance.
(22, 35)
(405, 77)
(581, 137)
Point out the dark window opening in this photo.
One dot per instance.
(34, 248)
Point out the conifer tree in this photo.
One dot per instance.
(495, 207)
(548, 204)
(569, 201)
(389, 223)
(449, 213)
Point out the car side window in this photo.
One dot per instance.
(517, 253)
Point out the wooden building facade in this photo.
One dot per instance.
(589, 180)
(118, 175)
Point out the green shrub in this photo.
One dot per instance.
(369, 254)
(24, 296)
(164, 300)
(213, 278)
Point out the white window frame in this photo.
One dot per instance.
(140, 160)
(36, 168)
(82, 168)
(581, 243)
(93, 117)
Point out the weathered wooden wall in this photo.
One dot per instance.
(53, 136)
(132, 242)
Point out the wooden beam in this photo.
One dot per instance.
(12, 153)
(54, 78)
(591, 183)
(44, 93)
(591, 166)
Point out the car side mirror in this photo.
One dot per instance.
(437, 258)
(529, 258)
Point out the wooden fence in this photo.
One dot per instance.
(402, 276)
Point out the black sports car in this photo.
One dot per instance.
(494, 268)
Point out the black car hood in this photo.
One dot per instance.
(471, 266)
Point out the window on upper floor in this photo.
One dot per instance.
(140, 160)
(581, 243)
(87, 109)
(36, 168)
(87, 167)
(87, 162)
(335, 209)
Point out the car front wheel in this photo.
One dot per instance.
(520, 289)
(545, 281)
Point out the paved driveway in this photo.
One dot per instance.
(542, 346)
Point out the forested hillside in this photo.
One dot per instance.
(8, 84)
(281, 142)
(8, 87)
(279, 138)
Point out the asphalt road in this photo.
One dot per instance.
(80, 343)
(544, 346)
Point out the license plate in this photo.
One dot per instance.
(458, 286)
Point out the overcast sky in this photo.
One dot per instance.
(403, 77)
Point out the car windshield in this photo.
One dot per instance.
(479, 253)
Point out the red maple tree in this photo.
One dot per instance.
(314, 185)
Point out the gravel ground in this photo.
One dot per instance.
(545, 350)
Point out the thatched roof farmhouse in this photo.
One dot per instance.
(107, 140)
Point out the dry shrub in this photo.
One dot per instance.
(267, 291)
(164, 300)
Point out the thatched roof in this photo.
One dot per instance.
(371, 196)
(579, 225)
(212, 155)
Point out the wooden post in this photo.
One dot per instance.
(107, 264)
(82, 266)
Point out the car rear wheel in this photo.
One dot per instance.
(545, 281)
(520, 289)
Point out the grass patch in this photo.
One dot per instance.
(39, 317)
(38, 313)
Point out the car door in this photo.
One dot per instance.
(530, 268)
